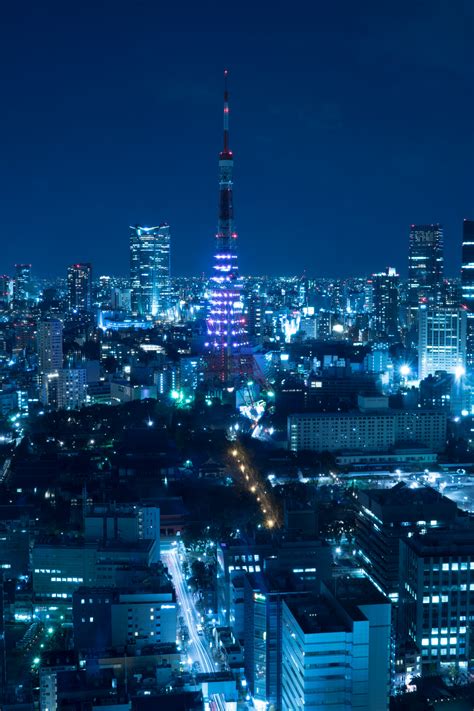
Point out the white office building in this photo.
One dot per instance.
(336, 650)
(442, 340)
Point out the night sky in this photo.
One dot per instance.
(349, 121)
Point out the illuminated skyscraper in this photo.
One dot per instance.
(150, 269)
(425, 266)
(467, 287)
(79, 285)
(22, 291)
(226, 323)
(385, 304)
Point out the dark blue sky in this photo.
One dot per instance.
(349, 121)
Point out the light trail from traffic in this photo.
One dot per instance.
(198, 650)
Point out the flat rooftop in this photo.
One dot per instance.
(447, 542)
(401, 495)
(351, 591)
(318, 616)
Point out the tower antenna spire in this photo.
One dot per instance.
(226, 113)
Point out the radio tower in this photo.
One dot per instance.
(225, 322)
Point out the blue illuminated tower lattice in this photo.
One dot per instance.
(226, 323)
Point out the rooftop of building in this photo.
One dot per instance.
(169, 506)
(59, 658)
(402, 495)
(353, 591)
(151, 586)
(63, 542)
(125, 652)
(446, 542)
(384, 412)
(274, 582)
(180, 701)
(318, 615)
(144, 544)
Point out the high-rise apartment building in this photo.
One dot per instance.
(71, 392)
(226, 322)
(50, 359)
(425, 266)
(441, 340)
(79, 285)
(467, 288)
(150, 269)
(22, 287)
(385, 304)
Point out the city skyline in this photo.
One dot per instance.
(336, 149)
(237, 445)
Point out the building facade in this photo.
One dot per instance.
(22, 286)
(377, 431)
(384, 517)
(385, 304)
(425, 266)
(437, 598)
(150, 252)
(442, 340)
(336, 650)
(105, 618)
(467, 287)
(79, 287)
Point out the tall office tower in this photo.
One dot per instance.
(79, 286)
(467, 287)
(150, 269)
(425, 266)
(225, 322)
(385, 304)
(22, 291)
(50, 345)
(441, 340)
